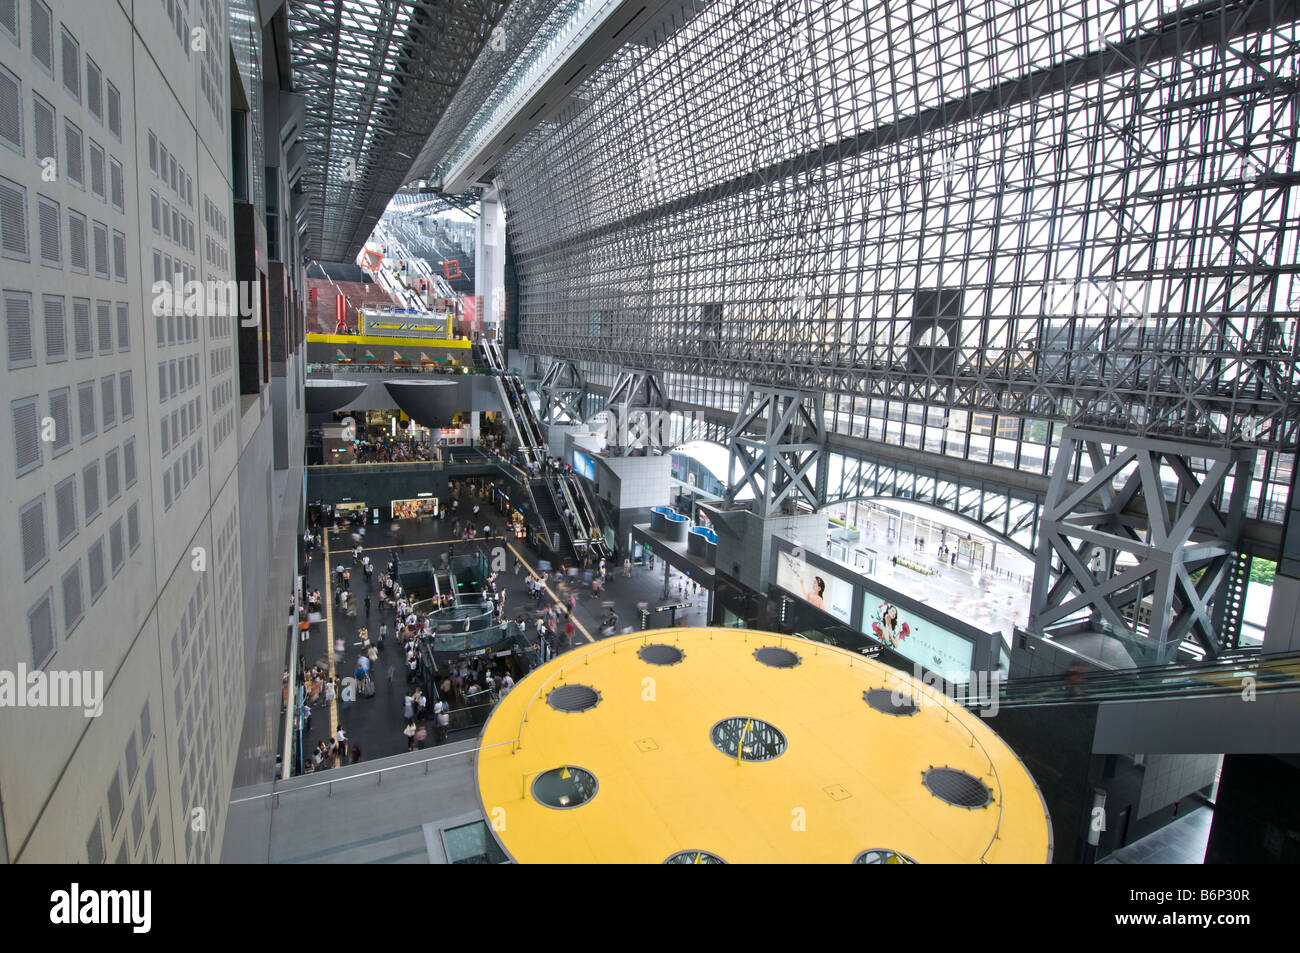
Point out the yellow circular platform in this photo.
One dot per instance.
(849, 779)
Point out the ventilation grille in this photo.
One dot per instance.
(95, 563)
(71, 66)
(123, 340)
(48, 221)
(114, 111)
(95, 853)
(133, 527)
(40, 627)
(119, 256)
(86, 408)
(116, 552)
(776, 657)
(128, 462)
(885, 700)
(573, 698)
(98, 186)
(65, 509)
(117, 190)
(61, 414)
(18, 329)
(112, 486)
(81, 327)
(77, 244)
(94, 91)
(13, 220)
(42, 34)
(75, 161)
(44, 114)
(11, 110)
(32, 521)
(56, 328)
(958, 788)
(104, 322)
(660, 654)
(114, 800)
(73, 604)
(9, 16)
(90, 491)
(101, 250)
(27, 438)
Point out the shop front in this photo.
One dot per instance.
(422, 506)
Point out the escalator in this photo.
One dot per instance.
(552, 522)
(1225, 676)
(523, 420)
(585, 533)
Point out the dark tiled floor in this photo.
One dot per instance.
(375, 724)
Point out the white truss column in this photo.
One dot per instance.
(1144, 548)
(637, 414)
(561, 393)
(779, 442)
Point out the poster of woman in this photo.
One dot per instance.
(888, 627)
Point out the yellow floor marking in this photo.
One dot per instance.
(329, 640)
(576, 624)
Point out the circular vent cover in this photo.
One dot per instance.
(958, 788)
(573, 698)
(884, 699)
(564, 788)
(694, 857)
(775, 657)
(658, 654)
(882, 856)
(756, 740)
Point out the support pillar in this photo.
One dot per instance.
(1147, 548)
(779, 442)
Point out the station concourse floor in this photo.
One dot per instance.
(375, 724)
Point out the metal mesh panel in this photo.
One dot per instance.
(78, 259)
(73, 601)
(27, 440)
(65, 509)
(48, 215)
(61, 414)
(42, 34)
(74, 160)
(32, 530)
(71, 65)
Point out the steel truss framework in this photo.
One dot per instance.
(778, 450)
(377, 75)
(1155, 573)
(561, 391)
(969, 224)
(636, 414)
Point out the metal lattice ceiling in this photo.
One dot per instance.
(377, 75)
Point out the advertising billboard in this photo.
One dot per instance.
(815, 586)
(930, 646)
(583, 465)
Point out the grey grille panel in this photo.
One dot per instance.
(13, 219)
(56, 328)
(27, 437)
(40, 629)
(47, 217)
(65, 509)
(73, 602)
(18, 329)
(61, 414)
(11, 110)
(31, 519)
